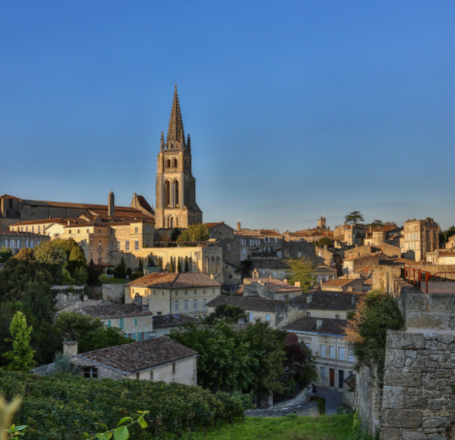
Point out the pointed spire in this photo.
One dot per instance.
(188, 143)
(162, 141)
(175, 131)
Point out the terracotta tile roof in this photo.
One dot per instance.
(246, 303)
(144, 203)
(113, 310)
(447, 254)
(41, 221)
(274, 285)
(211, 225)
(326, 300)
(140, 356)
(329, 326)
(337, 282)
(368, 282)
(174, 280)
(362, 256)
(164, 321)
(269, 233)
(120, 213)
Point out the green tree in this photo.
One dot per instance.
(171, 265)
(18, 274)
(5, 254)
(301, 270)
(120, 270)
(25, 254)
(141, 266)
(103, 338)
(63, 365)
(187, 267)
(175, 234)
(225, 361)
(230, 313)
(444, 235)
(40, 300)
(197, 232)
(179, 265)
(325, 241)
(354, 217)
(21, 356)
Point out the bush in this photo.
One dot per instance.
(63, 406)
(104, 279)
(321, 404)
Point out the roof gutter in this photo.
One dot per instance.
(316, 334)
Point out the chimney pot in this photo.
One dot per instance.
(319, 324)
(297, 284)
(212, 276)
(285, 280)
(309, 299)
(138, 300)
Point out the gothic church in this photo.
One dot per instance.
(176, 205)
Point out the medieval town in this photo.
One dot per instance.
(158, 321)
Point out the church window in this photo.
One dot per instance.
(167, 193)
(175, 190)
(168, 163)
(176, 222)
(175, 163)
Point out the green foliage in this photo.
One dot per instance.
(65, 407)
(120, 270)
(187, 268)
(367, 330)
(18, 274)
(104, 279)
(179, 265)
(325, 241)
(93, 273)
(171, 265)
(21, 356)
(175, 234)
(229, 313)
(301, 269)
(246, 360)
(40, 300)
(354, 217)
(63, 365)
(141, 266)
(5, 254)
(198, 232)
(443, 235)
(321, 404)
(90, 333)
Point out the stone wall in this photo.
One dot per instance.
(307, 409)
(113, 292)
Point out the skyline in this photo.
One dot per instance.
(294, 112)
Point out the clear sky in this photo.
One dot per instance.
(296, 109)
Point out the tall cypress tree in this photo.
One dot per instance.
(171, 265)
(179, 265)
(187, 269)
(141, 266)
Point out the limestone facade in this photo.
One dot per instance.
(16, 240)
(420, 237)
(176, 205)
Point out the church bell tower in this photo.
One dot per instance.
(176, 205)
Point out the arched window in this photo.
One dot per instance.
(171, 222)
(207, 265)
(176, 192)
(176, 222)
(168, 163)
(175, 163)
(218, 263)
(167, 193)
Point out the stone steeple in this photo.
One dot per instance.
(175, 132)
(111, 205)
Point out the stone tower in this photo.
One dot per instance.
(176, 205)
(111, 205)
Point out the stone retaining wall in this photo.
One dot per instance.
(307, 409)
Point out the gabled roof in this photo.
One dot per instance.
(140, 356)
(254, 303)
(330, 300)
(174, 280)
(105, 311)
(212, 225)
(329, 326)
(164, 321)
(337, 282)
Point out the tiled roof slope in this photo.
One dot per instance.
(139, 356)
(163, 321)
(329, 326)
(113, 310)
(274, 263)
(321, 300)
(246, 302)
(337, 282)
(174, 280)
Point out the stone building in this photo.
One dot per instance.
(420, 237)
(160, 359)
(134, 320)
(271, 268)
(163, 324)
(270, 288)
(177, 293)
(15, 210)
(16, 240)
(441, 256)
(260, 240)
(176, 205)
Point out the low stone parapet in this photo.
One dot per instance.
(307, 409)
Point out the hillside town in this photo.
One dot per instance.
(350, 317)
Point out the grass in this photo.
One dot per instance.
(337, 427)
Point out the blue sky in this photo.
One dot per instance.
(296, 109)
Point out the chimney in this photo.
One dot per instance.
(309, 298)
(138, 300)
(212, 276)
(319, 324)
(239, 226)
(70, 348)
(297, 284)
(69, 223)
(285, 281)
(111, 205)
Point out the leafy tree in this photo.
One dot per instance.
(301, 270)
(325, 241)
(171, 265)
(175, 234)
(21, 356)
(25, 254)
(266, 346)
(93, 273)
(179, 265)
(103, 338)
(377, 224)
(187, 267)
(229, 313)
(18, 274)
(225, 361)
(40, 300)
(367, 330)
(120, 270)
(354, 217)
(300, 364)
(445, 235)
(160, 262)
(197, 232)
(141, 266)
(5, 254)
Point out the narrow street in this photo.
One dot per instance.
(333, 399)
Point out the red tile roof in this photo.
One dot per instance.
(174, 280)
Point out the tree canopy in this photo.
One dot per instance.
(197, 232)
(301, 269)
(230, 313)
(325, 241)
(354, 217)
